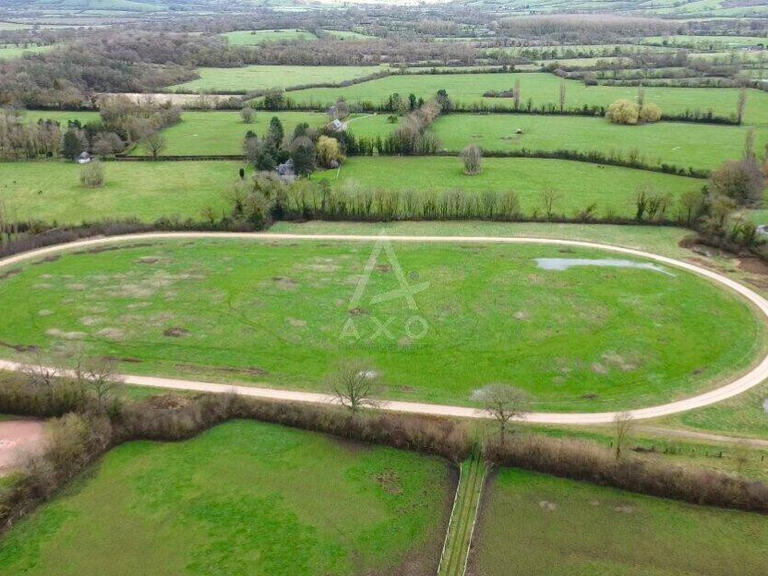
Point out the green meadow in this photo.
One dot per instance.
(576, 185)
(254, 78)
(541, 89)
(701, 146)
(258, 37)
(285, 314)
(242, 498)
(536, 525)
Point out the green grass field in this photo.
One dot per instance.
(258, 37)
(10, 52)
(577, 184)
(348, 35)
(542, 89)
(536, 525)
(222, 132)
(283, 313)
(62, 116)
(680, 144)
(252, 78)
(51, 191)
(242, 498)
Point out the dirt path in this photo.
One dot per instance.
(752, 378)
(17, 439)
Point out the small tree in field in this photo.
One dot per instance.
(354, 385)
(155, 143)
(247, 115)
(328, 152)
(649, 113)
(472, 158)
(92, 175)
(624, 424)
(504, 403)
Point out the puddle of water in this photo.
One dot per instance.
(562, 264)
(765, 405)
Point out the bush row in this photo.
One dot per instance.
(579, 460)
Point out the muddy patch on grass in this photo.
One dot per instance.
(296, 323)
(20, 347)
(284, 283)
(547, 506)
(390, 481)
(113, 334)
(9, 274)
(56, 333)
(248, 370)
(51, 258)
(175, 332)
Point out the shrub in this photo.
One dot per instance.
(650, 113)
(740, 180)
(328, 152)
(472, 157)
(247, 115)
(92, 175)
(623, 112)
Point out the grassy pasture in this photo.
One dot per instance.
(222, 132)
(542, 89)
(250, 78)
(258, 37)
(51, 191)
(711, 42)
(11, 52)
(283, 313)
(577, 184)
(242, 498)
(536, 525)
(348, 35)
(679, 144)
(62, 116)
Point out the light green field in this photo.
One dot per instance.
(713, 42)
(536, 525)
(283, 314)
(222, 132)
(701, 146)
(348, 35)
(51, 191)
(577, 184)
(11, 52)
(242, 498)
(257, 37)
(62, 116)
(542, 89)
(253, 78)
(13, 26)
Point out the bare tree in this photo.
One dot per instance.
(516, 93)
(354, 385)
(624, 425)
(548, 198)
(99, 375)
(741, 105)
(41, 372)
(472, 158)
(155, 143)
(504, 403)
(247, 115)
(563, 89)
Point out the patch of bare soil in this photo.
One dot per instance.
(18, 439)
(20, 347)
(175, 332)
(390, 481)
(168, 402)
(9, 274)
(248, 370)
(285, 283)
(51, 258)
